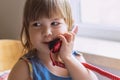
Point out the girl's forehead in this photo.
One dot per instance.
(42, 19)
(52, 17)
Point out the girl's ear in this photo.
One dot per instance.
(75, 29)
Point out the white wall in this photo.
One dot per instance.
(97, 18)
(11, 18)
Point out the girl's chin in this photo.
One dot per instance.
(44, 48)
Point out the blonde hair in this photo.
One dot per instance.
(35, 9)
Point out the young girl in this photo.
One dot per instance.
(44, 21)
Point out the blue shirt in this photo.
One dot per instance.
(40, 71)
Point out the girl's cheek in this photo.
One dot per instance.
(63, 30)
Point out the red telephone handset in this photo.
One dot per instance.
(54, 47)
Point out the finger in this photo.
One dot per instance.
(62, 38)
(69, 37)
(73, 36)
(75, 29)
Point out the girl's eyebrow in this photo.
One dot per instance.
(55, 18)
(34, 22)
(37, 21)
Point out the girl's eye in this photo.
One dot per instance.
(36, 24)
(55, 23)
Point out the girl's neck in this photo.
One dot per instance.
(44, 57)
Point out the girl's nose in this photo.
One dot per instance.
(47, 32)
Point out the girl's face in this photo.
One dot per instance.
(45, 30)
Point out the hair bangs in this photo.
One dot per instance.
(47, 8)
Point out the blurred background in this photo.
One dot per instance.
(11, 18)
(98, 18)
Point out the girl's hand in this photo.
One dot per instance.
(67, 43)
